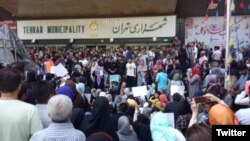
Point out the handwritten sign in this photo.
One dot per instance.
(139, 91)
(60, 70)
(177, 89)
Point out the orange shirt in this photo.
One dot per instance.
(48, 64)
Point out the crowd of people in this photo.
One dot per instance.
(95, 101)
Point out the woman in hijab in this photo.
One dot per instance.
(141, 125)
(187, 78)
(80, 87)
(125, 133)
(141, 73)
(66, 90)
(100, 136)
(158, 66)
(194, 83)
(78, 100)
(210, 79)
(164, 100)
(220, 114)
(100, 120)
(162, 130)
(99, 76)
(77, 113)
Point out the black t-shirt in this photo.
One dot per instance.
(143, 131)
(106, 66)
(112, 66)
(121, 68)
(177, 108)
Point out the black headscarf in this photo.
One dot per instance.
(142, 128)
(99, 121)
(101, 136)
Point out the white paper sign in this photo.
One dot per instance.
(139, 91)
(177, 89)
(169, 118)
(60, 70)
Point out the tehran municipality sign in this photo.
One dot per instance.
(136, 27)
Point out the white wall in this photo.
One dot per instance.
(213, 31)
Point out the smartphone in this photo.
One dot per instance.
(201, 99)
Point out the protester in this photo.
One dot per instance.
(100, 85)
(131, 73)
(18, 120)
(43, 91)
(176, 107)
(198, 131)
(100, 120)
(220, 114)
(194, 82)
(162, 130)
(162, 81)
(142, 126)
(124, 130)
(59, 110)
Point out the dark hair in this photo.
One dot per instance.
(158, 92)
(143, 119)
(20, 67)
(23, 91)
(31, 76)
(99, 136)
(242, 66)
(42, 91)
(216, 47)
(49, 76)
(10, 79)
(234, 64)
(214, 89)
(87, 89)
(176, 97)
(1, 66)
(123, 107)
(198, 132)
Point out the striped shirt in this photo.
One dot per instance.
(59, 132)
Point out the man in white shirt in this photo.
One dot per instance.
(243, 98)
(18, 120)
(216, 54)
(243, 116)
(151, 53)
(194, 54)
(239, 55)
(130, 73)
